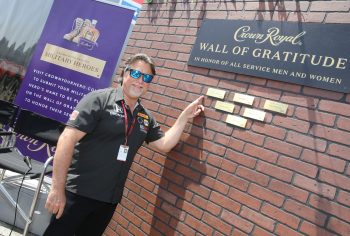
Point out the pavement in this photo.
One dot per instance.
(5, 230)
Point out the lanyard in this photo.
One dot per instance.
(127, 131)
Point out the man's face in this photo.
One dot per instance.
(134, 88)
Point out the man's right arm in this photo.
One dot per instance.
(56, 199)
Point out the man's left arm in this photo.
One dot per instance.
(172, 136)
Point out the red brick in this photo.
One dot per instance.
(339, 151)
(284, 230)
(244, 199)
(260, 153)
(266, 195)
(274, 171)
(183, 228)
(322, 93)
(188, 172)
(293, 124)
(305, 212)
(282, 147)
(217, 224)
(306, 141)
(261, 232)
(314, 186)
(221, 187)
(331, 134)
(339, 226)
(205, 229)
(344, 198)
(225, 202)
(252, 175)
(335, 107)
(335, 179)
(213, 208)
(311, 229)
(289, 190)
(204, 79)
(330, 207)
(323, 160)
(214, 148)
(269, 130)
(329, 7)
(298, 166)
(300, 100)
(280, 215)
(233, 180)
(269, 93)
(229, 85)
(284, 86)
(237, 221)
(308, 17)
(248, 136)
(236, 144)
(343, 123)
(315, 116)
(338, 17)
(241, 158)
(219, 127)
(229, 166)
(257, 218)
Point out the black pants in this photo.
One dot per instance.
(81, 217)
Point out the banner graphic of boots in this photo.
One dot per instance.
(84, 33)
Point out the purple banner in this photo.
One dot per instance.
(77, 53)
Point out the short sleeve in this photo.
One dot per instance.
(87, 112)
(155, 132)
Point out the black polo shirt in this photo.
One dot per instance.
(95, 171)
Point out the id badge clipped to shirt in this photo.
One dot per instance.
(122, 153)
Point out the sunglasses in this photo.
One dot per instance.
(135, 74)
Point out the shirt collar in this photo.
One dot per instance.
(120, 96)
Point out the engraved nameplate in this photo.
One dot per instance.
(242, 98)
(236, 120)
(217, 93)
(254, 114)
(276, 106)
(224, 106)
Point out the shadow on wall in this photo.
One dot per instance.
(183, 171)
(154, 9)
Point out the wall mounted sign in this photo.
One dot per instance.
(224, 106)
(254, 114)
(276, 106)
(311, 54)
(244, 99)
(236, 120)
(216, 93)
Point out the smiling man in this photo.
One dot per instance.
(97, 147)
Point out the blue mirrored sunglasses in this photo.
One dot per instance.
(135, 74)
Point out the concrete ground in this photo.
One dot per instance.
(5, 230)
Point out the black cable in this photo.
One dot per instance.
(27, 161)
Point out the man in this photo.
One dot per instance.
(96, 149)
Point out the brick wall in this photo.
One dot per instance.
(288, 175)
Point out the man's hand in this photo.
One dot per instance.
(55, 202)
(193, 109)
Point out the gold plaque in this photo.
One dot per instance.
(217, 93)
(254, 114)
(276, 106)
(224, 106)
(236, 120)
(242, 98)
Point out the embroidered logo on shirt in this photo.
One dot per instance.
(74, 115)
(142, 115)
(117, 111)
